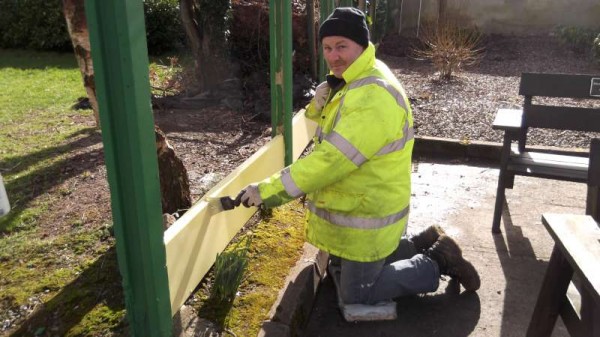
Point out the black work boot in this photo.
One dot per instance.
(447, 254)
(427, 238)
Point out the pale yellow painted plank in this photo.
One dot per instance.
(304, 130)
(192, 243)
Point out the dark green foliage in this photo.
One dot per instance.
(596, 48)
(229, 271)
(578, 39)
(164, 31)
(217, 15)
(40, 25)
(381, 25)
(33, 24)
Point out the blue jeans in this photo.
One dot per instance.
(403, 273)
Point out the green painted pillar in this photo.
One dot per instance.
(119, 52)
(280, 42)
(346, 3)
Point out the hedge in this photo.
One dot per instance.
(40, 25)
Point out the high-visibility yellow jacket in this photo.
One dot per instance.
(357, 178)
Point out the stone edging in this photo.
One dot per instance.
(481, 150)
(294, 303)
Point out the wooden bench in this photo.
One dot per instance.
(518, 159)
(576, 252)
(593, 184)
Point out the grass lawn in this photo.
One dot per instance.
(58, 266)
(38, 132)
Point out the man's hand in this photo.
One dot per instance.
(249, 196)
(321, 95)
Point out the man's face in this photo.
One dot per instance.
(340, 53)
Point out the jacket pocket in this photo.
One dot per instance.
(338, 201)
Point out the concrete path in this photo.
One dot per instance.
(460, 197)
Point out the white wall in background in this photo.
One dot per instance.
(501, 16)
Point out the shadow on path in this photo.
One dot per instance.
(448, 313)
(523, 273)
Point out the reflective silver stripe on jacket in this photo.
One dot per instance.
(290, 186)
(357, 222)
(319, 131)
(382, 83)
(345, 147)
(397, 145)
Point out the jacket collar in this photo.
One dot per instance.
(365, 61)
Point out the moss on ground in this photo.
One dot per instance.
(277, 242)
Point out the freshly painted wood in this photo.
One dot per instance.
(194, 241)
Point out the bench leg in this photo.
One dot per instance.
(510, 180)
(500, 197)
(551, 296)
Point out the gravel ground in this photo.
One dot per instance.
(464, 107)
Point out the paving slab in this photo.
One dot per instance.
(460, 196)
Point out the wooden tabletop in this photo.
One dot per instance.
(578, 237)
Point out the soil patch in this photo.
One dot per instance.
(464, 107)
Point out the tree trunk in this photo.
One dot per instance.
(174, 181)
(373, 12)
(362, 5)
(443, 8)
(210, 62)
(74, 12)
(190, 25)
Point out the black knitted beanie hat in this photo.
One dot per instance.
(348, 22)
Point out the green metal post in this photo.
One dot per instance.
(346, 3)
(327, 7)
(310, 19)
(280, 29)
(119, 52)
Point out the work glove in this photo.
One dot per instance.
(249, 196)
(321, 94)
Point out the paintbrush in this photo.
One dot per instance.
(220, 204)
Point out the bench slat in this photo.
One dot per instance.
(548, 172)
(579, 239)
(547, 165)
(556, 85)
(550, 159)
(563, 118)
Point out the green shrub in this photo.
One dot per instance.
(33, 24)
(578, 39)
(40, 25)
(382, 23)
(229, 270)
(596, 48)
(164, 31)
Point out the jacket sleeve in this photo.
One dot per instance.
(367, 124)
(311, 112)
